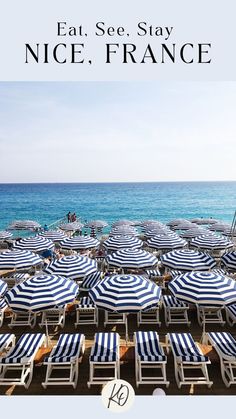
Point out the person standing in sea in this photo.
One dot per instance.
(68, 217)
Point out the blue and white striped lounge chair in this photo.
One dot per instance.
(23, 319)
(149, 355)
(208, 314)
(21, 359)
(3, 308)
(155, 275)
(225, 345)
(65, 355)
(104, 355)
(231, 314)
(54, 316)
(188, 356)
(90, 281)
(6, 340)
(86, 312)
(150, 316)
(175, 311)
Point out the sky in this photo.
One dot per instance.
(117, 131)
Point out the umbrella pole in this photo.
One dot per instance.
(203, 338)
(126, 330)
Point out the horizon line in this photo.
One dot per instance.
(114, 182)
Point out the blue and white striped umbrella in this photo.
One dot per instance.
(132, 258)
(54, 235)
(5, 235)
(229, 260)
(176, 221)
(24, 225)
(221, 227)
(188, 260)
(41, 292)
(123, 223)
(204, 288)
(122, 242)
(194, 232)
(80, 242)
(35, 244)
(205, 221)
(124, 231)
(3, 288)
(211, 242)
(184, 225)
(73, 267)
(18, 259)
(229, 232)
(164, 242)
(157, 231)
(75, 226)
(125, 293)
(96, 224)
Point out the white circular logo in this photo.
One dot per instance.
(118, 395)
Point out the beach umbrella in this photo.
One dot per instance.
(204, 221)
(165, 242)
(73, 267)
(75, 226)
(194, 232)
(54, 235)
(184, 225)
(211, 242)
(229, 232)
(124, 231)
(146, 223)
(132, 259)
(3, 287)
(204, 288)
(5, 235)
(125, 294)
(35, 244)
(96, 224)
(18, 259)
(156, 232)
(122, 242)
(123, 223)
(188, 260)
(177, 221)
(221, 227)
(41, 292)
(80, 242)
(229, 260)
(24, 225)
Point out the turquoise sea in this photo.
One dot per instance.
(49, 202)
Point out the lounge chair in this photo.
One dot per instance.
(6, 340)
(23, 318)
(211, 315)
(175, 311)
(104, 355)
(3, 308)
(188, 356)
(150, 316)
(54, 316)
(231, 314)
(65, 355)
(113, 317)
(225, 346)
(149, 355)
(21, 358)
(86, 312)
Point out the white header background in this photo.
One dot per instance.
(201, 21)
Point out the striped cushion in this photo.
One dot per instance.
(232, 309)
(105, 348)
(24, 350)
(5, 339)
(85, 302)
(148, 347)
(171, 301)
(67, 349)
(3, 304)
(91, 280)
(218, 271)
(225, 344)
(185, 349)
(152, 272)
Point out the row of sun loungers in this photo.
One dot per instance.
(175, 312)
(105, 356)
